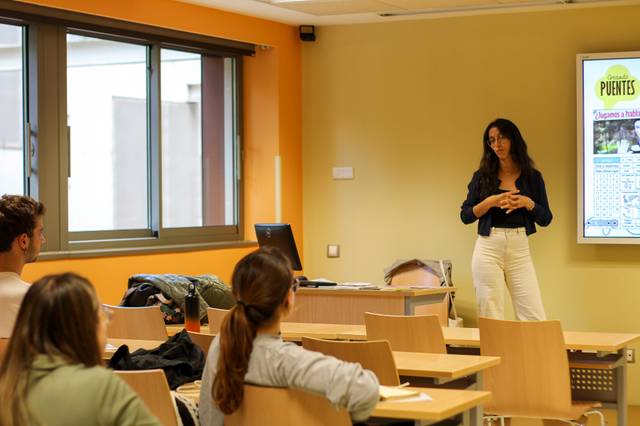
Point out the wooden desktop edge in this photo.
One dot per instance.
(449, 366)
(604, 342)
(386, 291)
(444, 404)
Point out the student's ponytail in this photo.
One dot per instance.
(260, 283)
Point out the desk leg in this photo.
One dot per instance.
(411, 302)
(476, 413)
(621, 391)
(466, 419)
(409, 306)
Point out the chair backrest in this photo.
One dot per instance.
(415, 275)
(142, 323)
(215, 317)
(408, 333)
(532, 379)
(201, 339)
(153, 389)
(4, 343)
(374, 355)
(268, 406)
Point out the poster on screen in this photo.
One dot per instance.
(609, 148)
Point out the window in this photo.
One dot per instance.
(12, 121)
(197, 140)
(139, 146)
(107, 122)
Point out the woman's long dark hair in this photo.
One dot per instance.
(260, 283)
(490, 164)
(59, 316)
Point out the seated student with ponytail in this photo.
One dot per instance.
(249, 348)
(52, 371)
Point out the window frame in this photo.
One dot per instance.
(45, 32)
(26, 170)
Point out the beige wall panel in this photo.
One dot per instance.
(405, 104)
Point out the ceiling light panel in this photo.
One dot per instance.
(334, 7)
(438, 4)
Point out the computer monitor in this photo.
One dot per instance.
(279, 235)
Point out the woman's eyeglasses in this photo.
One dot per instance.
(499, 139)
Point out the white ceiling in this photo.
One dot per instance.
(336, 12)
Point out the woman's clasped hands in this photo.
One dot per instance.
(512, 200)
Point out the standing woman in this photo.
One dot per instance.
(508, 197)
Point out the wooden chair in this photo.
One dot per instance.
(202, 339)
(374, 355)
(416, 333)
(267, 406)
(532, 379)
(153, 389)
(410, 275)
(4, 343)
(142, 323)
(215, 317)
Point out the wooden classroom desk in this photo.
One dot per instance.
(605, 351)
(461, 336)
(574, 340)
(347, 306)
(441, 366)
(294, 331)
(444, 403)
(444, 367)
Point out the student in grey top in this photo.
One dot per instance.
(249, 348)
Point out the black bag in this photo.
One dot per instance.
(139, 295)
(181, 359)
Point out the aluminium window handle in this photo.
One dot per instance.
(68, 151)
(28, 147)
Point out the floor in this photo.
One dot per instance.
(610, 417)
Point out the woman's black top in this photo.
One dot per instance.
(533, 187)
(500, 218)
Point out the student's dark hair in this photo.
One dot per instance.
(260, 284)
(59, 316)
(490, 164)
(18, 215)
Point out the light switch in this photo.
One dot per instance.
(333, 250)
(343, 173)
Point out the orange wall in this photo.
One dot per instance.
(272, 126)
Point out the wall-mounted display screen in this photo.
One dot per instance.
(609, 148)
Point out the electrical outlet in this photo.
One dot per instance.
(631, 355)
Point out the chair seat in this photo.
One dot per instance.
(578, 408)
